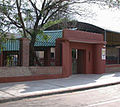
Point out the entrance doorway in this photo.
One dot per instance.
(88, 53)
(78, 61)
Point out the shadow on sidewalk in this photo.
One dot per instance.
(18, 88)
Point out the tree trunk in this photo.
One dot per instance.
(33, 57)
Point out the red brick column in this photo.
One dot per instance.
(66, 59)
(47, 57)
(58, 52)
(24, 52)
(99, 62)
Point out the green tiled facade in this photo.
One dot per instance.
(11, 45)
(14, 45)
(53, 35)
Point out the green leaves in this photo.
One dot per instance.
(28, 15)
(114, 2)
(13, 27)
(45, 26)
(2, 40)
(16, 17)
(43, 35)
(28, 18)
(3, 9)
(50, 23)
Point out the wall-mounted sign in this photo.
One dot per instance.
(103, 54)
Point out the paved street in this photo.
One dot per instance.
(99, 97)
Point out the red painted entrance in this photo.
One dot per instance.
(89, 47)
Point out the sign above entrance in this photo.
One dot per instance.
(103, 54)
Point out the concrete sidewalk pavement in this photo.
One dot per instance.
(19, 90)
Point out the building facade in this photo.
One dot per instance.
(67, 52)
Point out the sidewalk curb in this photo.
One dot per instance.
(59, 91)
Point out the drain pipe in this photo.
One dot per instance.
(104, 35)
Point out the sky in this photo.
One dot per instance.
(104, 17)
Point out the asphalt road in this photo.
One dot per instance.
(100, 97)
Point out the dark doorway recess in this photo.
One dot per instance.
(78, 61)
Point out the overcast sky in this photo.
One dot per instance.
(107, 18)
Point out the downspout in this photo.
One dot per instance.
(105, 41)
(105, 35)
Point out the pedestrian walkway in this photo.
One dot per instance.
(19, 90)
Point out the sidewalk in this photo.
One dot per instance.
(20, 90)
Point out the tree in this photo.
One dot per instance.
(28, 18)
(115, 3)
(32, 17)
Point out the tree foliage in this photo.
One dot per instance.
(31, 17)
